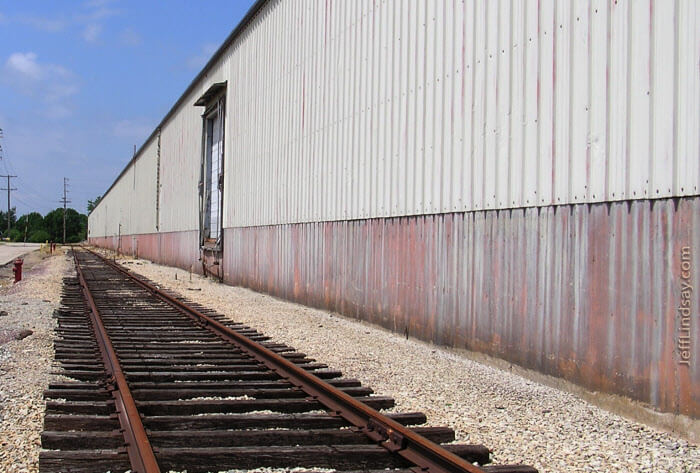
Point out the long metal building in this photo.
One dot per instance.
(514, 177)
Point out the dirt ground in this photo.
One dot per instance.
(26, 356)
(7, 277)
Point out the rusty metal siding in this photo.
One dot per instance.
(474, 172)
(179, 249)
(586, 292)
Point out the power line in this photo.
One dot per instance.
(29, 198)
(64, 201)
(29, 205)
(9, 189)
(10, 169)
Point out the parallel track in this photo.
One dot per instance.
(160, 384)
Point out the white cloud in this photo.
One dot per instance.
(90, 19)
(49, 25)
(53, 84)
(199, 60)
(102, 13)
(58, 91)
(130, 37)
(57, 111)
(98, 10)
(92, 32)
(97, 3)
(95, 12)
(24, 64)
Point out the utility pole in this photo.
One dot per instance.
(9, 189)
(64, 201)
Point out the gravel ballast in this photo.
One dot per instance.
(522, 421)
(25, 364)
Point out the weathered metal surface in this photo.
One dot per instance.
(589, 293)
(179, 249)
(339, 112)
(351, 110)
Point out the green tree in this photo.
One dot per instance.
(3, 219)
(15, 235)
(39, 236)
(30, 223)
(76, 225)
(93, 203)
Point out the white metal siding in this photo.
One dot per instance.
(143, 193)
(181, 153)
(114, 209)
(348, 110)
(131, 202)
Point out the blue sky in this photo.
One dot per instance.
(81, 83)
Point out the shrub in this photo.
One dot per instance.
(15, 235)
(39, 236)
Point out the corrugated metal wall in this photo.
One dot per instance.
(584, 292)
(181, 153)
(351, 110)
(179, 249)
(143, 192)
(454, 120)
(131, 202)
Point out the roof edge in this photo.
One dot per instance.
(242, 25)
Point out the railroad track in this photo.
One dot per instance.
(159, 384)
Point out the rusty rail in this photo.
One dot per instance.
(138, 446)
(394, 437)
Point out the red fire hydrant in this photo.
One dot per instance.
(18, 269)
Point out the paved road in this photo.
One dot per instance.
(10, 251)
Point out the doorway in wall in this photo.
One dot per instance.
(213, 177)
(211, 183)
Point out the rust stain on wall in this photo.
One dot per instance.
(179, 249)
(583, 292)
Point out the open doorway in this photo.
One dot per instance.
(213, 178)
(211, 182)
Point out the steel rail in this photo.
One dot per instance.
(138, 447)
(394, 437)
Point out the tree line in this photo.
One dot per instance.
(34, 228)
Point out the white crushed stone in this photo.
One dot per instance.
(280, 470)
(520, 420)
(25, 365)
(245, 397)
